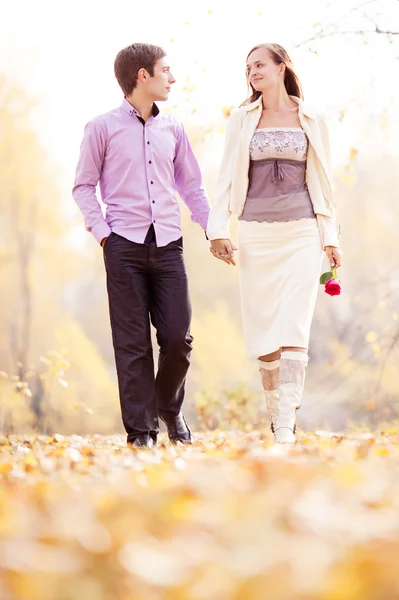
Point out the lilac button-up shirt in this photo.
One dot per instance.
(140, 167)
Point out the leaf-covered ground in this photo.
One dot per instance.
(231, 518)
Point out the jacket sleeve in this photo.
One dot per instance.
(328, 231)
(219, 217)
(327, 225)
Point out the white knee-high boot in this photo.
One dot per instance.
(293, 367)
(270, 381)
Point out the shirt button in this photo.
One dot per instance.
(153, 201)
(150, 161)
(148, 142)
(151, 182)
(154, 221)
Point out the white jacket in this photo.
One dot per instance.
(232, 183)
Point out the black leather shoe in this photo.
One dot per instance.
(178, 430)
(142, 441)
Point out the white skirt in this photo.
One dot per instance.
(279, 267)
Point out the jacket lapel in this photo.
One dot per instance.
(252, 116)
(315, 141)
(252, 119)
(307, 118)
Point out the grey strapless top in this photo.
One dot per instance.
(277, 189)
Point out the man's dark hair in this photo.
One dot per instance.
(131, 59)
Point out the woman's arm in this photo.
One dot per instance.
(219, 217)
(327, 225)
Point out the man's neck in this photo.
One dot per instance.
(143, 105)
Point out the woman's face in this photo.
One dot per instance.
(262, 71)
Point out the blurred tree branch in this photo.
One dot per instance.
(337, 27)
(324, 33)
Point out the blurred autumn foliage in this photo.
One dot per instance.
(231, 518)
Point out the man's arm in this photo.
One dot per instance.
(188, 180)
(88, 171)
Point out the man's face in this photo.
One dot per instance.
(160, 84)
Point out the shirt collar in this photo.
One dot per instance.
(127, 107)
(303, 107)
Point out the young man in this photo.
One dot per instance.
(141, 157)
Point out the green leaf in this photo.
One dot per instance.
(326, 277)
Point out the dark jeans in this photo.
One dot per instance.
(146, 282)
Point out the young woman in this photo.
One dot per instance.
(276, 176)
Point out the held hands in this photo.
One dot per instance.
(334, 256)
(223, 250)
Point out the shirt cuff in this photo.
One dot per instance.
(100, 231)
(202, 219)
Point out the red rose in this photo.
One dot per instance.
(333, 287)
